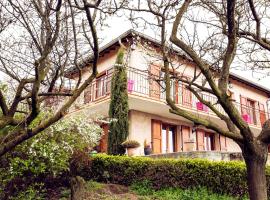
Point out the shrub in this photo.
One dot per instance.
(45, 157)
(130, 144)
(80, 164)
(219, 177)
(145, 189)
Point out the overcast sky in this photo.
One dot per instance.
(121, 25)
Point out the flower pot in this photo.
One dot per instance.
(247, 118)
(147, 151)
(130, 85)
(131, 151)
(201, 106)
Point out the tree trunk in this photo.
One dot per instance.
(78, 188)
(256, 177)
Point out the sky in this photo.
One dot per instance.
(119, 25)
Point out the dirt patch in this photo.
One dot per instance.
(96, 191)
(111, 192)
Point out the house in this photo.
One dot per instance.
(149, 116)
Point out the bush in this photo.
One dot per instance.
(44, 159)
(145, 189)
(80, 164)
(219, 177)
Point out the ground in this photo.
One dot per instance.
(101, 191)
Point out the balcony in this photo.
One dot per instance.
(141, 83)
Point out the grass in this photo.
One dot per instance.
(145, 191)
(92, 185)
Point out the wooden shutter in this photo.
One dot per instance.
(262, 113)
(243, 101)
(104, 139)
(185, 137)
(156, 136)
(200, 139)
(176, 91)
(154, 85)
(177, 139)
(223, 143)
(187, 98)
(88, 94)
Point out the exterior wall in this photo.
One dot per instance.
(104, 63)
(140, 127)
(140, 130)
(140, 120)
(140, 60)
(232, 146)
(247, 91)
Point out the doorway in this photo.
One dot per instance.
(168, 138)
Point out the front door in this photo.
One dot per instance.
(103, 144)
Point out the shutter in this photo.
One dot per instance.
(223, 143)
(104, 139)
(262, 113)
(156, 136)
(187, 99)
(154, 85)
(177, 139)
(176, 91)
(185, 137)
(87, 94)
(200, 140)
(243, 101)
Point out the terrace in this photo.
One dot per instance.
(142, 84)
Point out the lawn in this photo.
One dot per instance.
(142, 191)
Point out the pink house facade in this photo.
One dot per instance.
(149, 116)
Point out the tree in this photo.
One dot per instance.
(118, 111)
(51, 38)
(216, 36)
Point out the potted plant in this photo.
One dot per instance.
(131, 146)
(147, 148)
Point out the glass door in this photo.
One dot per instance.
(168, 137)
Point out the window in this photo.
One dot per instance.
(248, 110)
(100, 86)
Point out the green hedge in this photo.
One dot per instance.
(220, 177)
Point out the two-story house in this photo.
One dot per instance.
(149, 116)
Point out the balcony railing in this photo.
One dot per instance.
(143, 84)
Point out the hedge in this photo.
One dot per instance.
(220, 177)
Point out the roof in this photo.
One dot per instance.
(131, 33)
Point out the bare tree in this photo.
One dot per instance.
(228, 41)
(42, 42)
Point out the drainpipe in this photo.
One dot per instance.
(267, 107)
